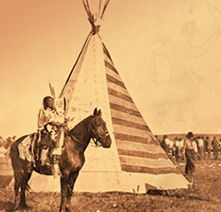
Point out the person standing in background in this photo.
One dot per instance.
(190, 155)
(215, 144)
(209, 146)
(201, 148)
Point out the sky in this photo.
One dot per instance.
(166, 51)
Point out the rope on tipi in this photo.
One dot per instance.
(95, 17)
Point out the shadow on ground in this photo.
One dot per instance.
(6, 206)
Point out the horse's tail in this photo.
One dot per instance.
(13, 148)
(10, 149)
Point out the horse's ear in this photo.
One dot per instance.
(99, 113)
(95, 112)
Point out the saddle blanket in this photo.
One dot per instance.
(24, 149)
(29, 150)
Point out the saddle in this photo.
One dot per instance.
(37, 148)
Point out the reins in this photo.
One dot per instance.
(96, 142)
(73, 137)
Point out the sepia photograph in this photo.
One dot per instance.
(110, 106)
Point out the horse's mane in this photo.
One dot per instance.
(79, 126)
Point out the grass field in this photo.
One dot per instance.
(205, 196)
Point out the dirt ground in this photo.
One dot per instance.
(205, 196)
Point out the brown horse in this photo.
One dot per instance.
(70, 162)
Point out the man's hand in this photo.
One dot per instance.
(63, 124)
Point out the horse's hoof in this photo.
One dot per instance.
(68, 210)
(23, 206)
(16, 207)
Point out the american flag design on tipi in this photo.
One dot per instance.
(135, 158)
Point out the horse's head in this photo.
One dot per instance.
(99, 130)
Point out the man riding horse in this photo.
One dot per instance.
(48, 122)
(72, 158)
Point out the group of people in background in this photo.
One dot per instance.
(206, 147)
(190, 149)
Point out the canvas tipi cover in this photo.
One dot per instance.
(135, 162)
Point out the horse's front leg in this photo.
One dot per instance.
(64, 191)
(72, 180)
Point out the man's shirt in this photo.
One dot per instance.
(200, 142)
(45, 116)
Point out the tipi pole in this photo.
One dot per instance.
(74, 65)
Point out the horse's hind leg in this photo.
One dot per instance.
(17, 184)
(25, 178)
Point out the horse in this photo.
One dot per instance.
(70, 163)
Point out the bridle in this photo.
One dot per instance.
(98, 132)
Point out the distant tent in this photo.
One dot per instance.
(135, 162)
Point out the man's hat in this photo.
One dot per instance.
(189, 135)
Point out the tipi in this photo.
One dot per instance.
(135, 162)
